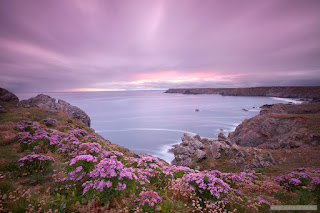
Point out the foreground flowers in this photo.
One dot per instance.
(95, 169)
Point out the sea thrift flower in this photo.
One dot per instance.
(87, 158)
(35, 162)
(149, 198)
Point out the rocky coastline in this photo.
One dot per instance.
(56, 164)
(311, 93)
(279, 128)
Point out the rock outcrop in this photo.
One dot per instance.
(305, 108)
(280, 126)
(46, 102)
(283, 92)
(6, 96)
(189, 148)
(196, 149)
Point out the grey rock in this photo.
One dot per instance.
(46, 102)
(237, 161)
(182, 160)
(183, 150)
(260, 161)
(216, 147)
(188, 140)
(189, 148)
(200, 155)
(197, 137)
(7, 96)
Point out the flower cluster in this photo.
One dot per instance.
(206, 184)
(93, 169)
(297, 180)
(149, 199)
(50, 122)
(35, 162)
(109, 172)
(26, 126)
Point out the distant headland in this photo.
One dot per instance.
(312, 92)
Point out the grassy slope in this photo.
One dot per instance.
(38, 184)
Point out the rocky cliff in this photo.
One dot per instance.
(284, 92)
(46, 102)
(280, 126)
(194, 150)
(6, 96)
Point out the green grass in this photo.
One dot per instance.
(9, 160)
(34, 114)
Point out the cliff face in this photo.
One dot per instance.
(284, 92)
(281, 126)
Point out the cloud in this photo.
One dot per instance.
(108, 45)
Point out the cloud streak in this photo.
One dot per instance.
(130, 45)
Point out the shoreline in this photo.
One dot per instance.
(311, 92)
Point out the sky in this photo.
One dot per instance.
(102, 45)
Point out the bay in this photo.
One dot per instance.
(152, 121)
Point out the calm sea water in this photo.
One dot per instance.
(152, 121)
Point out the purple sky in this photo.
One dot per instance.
(113, 45)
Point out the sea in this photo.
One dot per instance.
(152, 121)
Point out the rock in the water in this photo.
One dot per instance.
(6, 96)
(200, 155)
(46, 102)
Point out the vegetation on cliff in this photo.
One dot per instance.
(49, 163)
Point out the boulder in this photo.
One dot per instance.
(40, 101)
(46, 102)
(237, 161)
(260, 161)
(183, 150)
(217, 147)
(189, 148)
(188, 140)
(6, 96)
(182, 160)
(200, 155)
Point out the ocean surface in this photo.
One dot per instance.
(152, 121)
